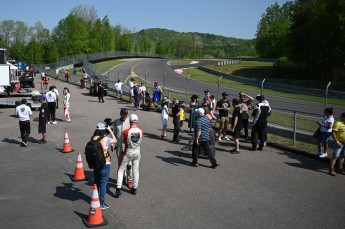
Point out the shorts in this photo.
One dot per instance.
(164, 121)
(224, 121)
(237, 133)
(338, 152)
(42, 126)
(324, 136)
(119, 92)
(132, 92)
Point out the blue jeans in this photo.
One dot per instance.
(100, 178)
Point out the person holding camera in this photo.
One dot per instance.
(119, 126)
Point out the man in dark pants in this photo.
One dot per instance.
(246, 102)
(176, 120)
(24, 112)
(100, 88)
(42, 119)
(260, 113)
(202, 139)
(51, 100)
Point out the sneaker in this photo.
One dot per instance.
(323, 155)
(24, 144)
(194, 164)
(226, 138)
(234, 151)
(220, 138)
(49, 122)
(133, 191)
(105, 206)
(42, 142)
(55, 122)
(118, 193)
(129, 184)
(68, 120)
(214, 165)
(317, 153)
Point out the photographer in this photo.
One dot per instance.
(176, 120)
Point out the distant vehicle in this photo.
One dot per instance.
(27, 80)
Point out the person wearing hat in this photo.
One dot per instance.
(165, 116)
(338, 134)
(176, 120)
(101, 176)
(142, 91)
(24, 112)
(236, 125)
(42, 119)
(260, 113)
(132, 138)
(119, 126)
(223, 107)
(157, 93)
(193, 105)
(202, 139)
(245, 102)
(207, 95)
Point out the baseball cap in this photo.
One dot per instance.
(100, 126)
(133, 118)
(225, 94)
(342, 115)
(200, 111)
(42, 97)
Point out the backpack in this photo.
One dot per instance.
(94, 154)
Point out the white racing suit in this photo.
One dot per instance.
(132, 139)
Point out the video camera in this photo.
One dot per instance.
(108, 122)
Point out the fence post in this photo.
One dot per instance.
(294, 127)
(329, 83)
(262, 86)
(218, 86)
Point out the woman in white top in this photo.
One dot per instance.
(66, 103)
(165, 116)
(325, 132)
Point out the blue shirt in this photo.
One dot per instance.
(204, 124)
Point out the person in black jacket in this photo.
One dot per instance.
(260, 113)
(100, 92)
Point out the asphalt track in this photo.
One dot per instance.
(269, 189)
(157, 70)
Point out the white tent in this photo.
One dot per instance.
(13, 67)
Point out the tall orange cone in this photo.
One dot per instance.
(67, 148)
(95, 217)
(79, 174)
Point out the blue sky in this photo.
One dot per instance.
(230, 18)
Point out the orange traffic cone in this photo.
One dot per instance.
(79, 174)
(95, 217)
(67, 148)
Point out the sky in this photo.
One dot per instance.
(229, 18)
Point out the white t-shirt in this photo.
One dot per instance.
(118, 86)
(56, 92)
(23, 112)
(66, 99)
(51, 96)
(325, 121)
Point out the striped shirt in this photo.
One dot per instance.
(204, 124)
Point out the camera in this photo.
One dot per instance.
(108, 122)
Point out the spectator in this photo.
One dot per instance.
(132, 140)
(260, 113)
(43, 74)
(213, 104)
(120, 125)
(74, 71)
(325, 132)
(193, 105)
(100, 92)
(51, 99)
(176, 120)
(142, 92)
(118, 88)
(165, 116)
(131, 92)
(66, 75)
(66, 103)
(182, 117)
(236, 125)
(101, 176)
(42, 119)
(85, 79)
(246, 101)
(212, 134)
(202, 139)
(338, 135)
(24, 112)
(45, 83)
(207, 95)
(136, 96)
(57, 96)
(157, 93)
(223, 107)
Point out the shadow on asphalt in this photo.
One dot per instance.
(68, 192)
(306, 163)
(152, 136)
(173, 160)
(81, 215)
(12, 141)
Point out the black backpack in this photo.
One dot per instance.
(94, 154)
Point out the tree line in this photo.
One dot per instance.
(306, 35)
(82, 31)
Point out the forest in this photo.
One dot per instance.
(306, 37)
